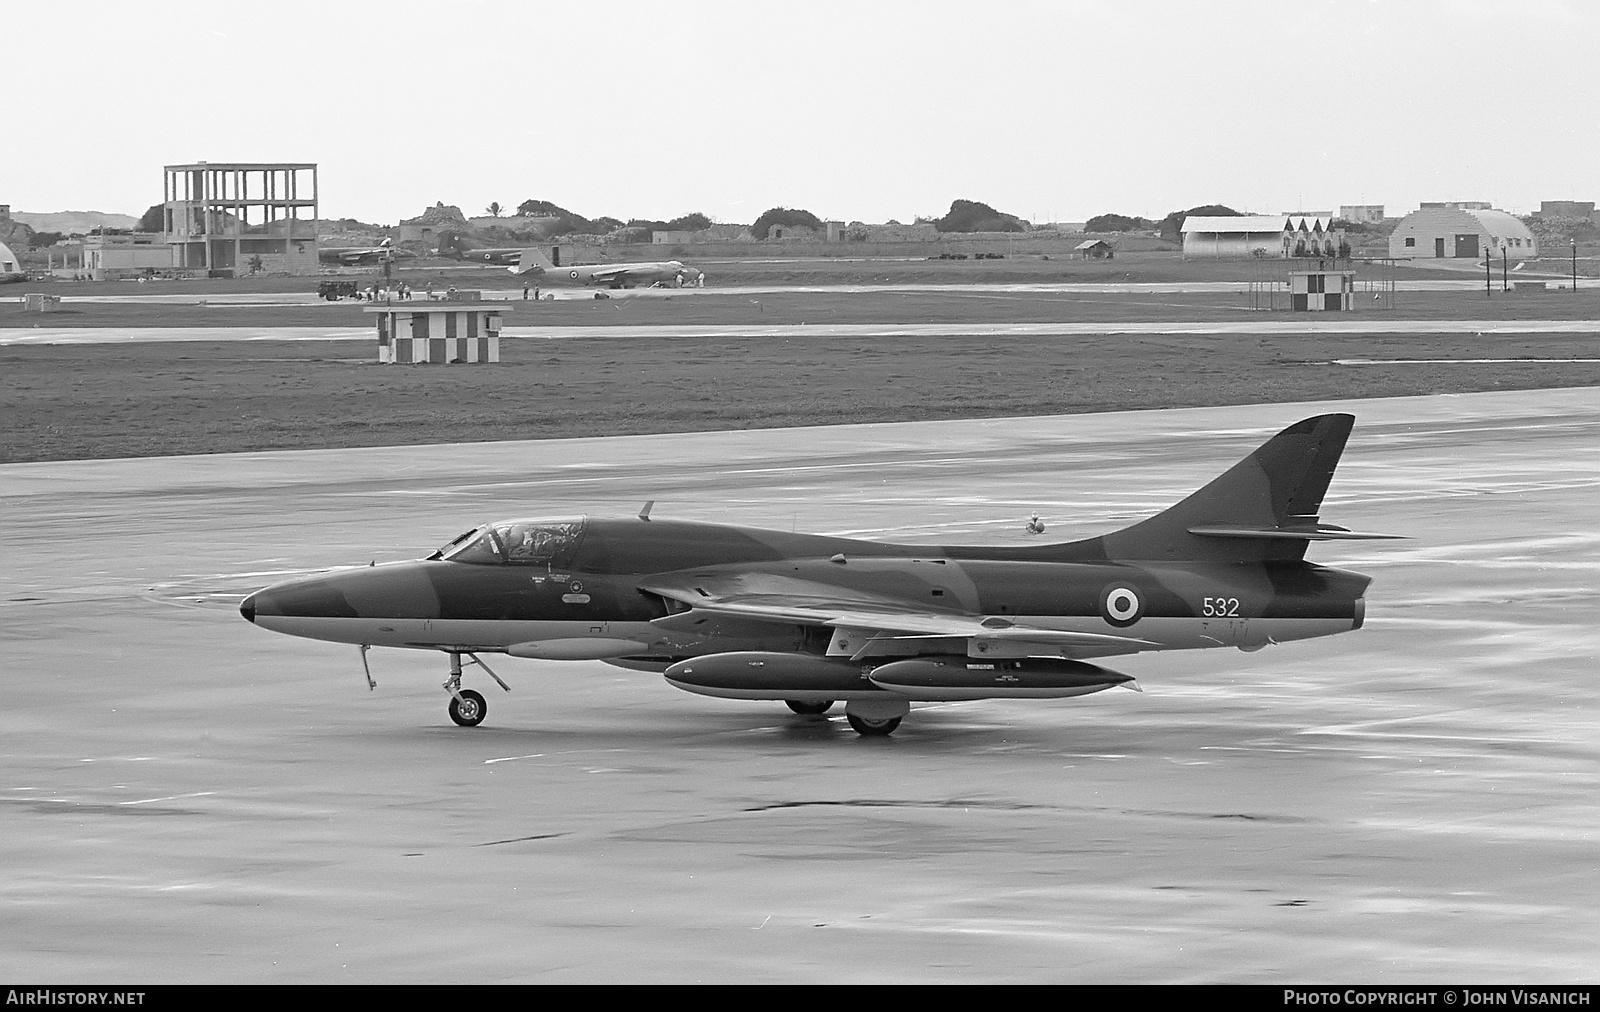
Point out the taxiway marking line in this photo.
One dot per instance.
(1485, 328)
(174, 797)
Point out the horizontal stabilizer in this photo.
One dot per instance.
(1315, 532)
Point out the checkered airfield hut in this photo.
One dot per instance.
(460, 328)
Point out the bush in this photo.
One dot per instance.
(788, 217)
(973, 216)
(568, 222)
(1117, 223)
(1172, 224)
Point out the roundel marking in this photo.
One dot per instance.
(573, 274)
(1120, 605)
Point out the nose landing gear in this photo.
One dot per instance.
(467, 708)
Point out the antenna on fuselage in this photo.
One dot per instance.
(644, 512)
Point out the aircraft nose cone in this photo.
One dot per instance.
(247, 608)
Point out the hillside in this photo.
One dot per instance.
(73, 222)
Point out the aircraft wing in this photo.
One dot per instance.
(611, 273)
(878, 617)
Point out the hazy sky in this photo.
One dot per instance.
(855, 110)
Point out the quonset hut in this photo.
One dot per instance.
(1467, 232)
(1260, 235)
(1234, 235)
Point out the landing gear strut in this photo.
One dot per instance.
(467, 708)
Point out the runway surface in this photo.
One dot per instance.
(1289, 324)
(189, 798)
(141, 294)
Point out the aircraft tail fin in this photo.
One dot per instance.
(531, 260)
(1263, 508)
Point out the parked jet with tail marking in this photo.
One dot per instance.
(743, 613)
(498, 256)
(534, 265)
(354, 256)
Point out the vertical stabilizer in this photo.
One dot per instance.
(1263, 508)
(532, 261)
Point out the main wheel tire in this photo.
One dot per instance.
(806, 709)
(470, 709)
(872, 728)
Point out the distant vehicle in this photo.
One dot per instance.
(535, 266)
(333, 291)
(353, 256)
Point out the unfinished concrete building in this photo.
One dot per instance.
(242, 218)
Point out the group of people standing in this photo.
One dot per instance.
(383, 293)
(402, 292)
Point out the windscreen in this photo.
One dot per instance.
(519, 543)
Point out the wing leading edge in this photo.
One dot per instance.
(864, 622)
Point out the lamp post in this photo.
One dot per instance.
(1488, 275)
(1574, 242)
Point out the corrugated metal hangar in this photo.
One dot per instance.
(1458, 231)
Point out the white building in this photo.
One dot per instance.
(1362, 214)
(1465, 232)
(1260, 235)
(108, 257)
(9, 264)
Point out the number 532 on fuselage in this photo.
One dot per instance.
(811, 620)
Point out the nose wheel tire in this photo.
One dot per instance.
(468, 709)
(808, 709)
(870, 728)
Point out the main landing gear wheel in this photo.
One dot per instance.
(870, 728)
(806, 709)
(468, 709)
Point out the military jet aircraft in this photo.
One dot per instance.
(353, 256)
(743, 613)
(534, 265)
(499, 256)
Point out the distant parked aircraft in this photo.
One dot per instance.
(503, 256)
(535, 265)
(351, 256)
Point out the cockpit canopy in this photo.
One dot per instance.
(518, 543)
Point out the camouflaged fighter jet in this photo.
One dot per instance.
(533, 265)
(742, 613)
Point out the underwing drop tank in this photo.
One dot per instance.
(807, 677)
(756, 674)
(952, 678)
